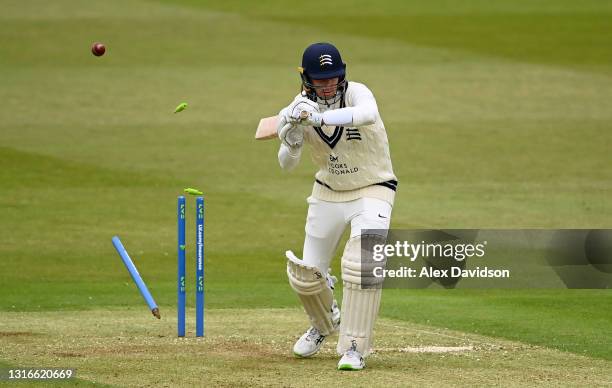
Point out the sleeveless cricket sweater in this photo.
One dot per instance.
(353, 160)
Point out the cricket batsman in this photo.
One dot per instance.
(355, 185)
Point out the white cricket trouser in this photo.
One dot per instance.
(326, 222)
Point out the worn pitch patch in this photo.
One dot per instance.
(426, 349)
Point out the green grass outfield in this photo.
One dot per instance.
(498, 115)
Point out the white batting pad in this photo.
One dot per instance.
(314, 292)
(361, 298)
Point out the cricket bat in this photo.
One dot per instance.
(266, 128)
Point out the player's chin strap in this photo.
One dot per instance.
(334, 102)
(310, 91)
(361, 294)
(315, 291)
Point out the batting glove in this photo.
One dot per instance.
(303, 111)
(290, 134)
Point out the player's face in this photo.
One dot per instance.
(326, 88)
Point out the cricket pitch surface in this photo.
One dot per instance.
(254, 347)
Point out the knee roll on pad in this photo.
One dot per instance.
(361, 294)
(314, 292)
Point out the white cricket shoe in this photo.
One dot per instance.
(351, 360)
(311, 341)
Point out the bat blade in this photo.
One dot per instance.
(267, 128)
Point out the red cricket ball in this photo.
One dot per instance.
(98, 49)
